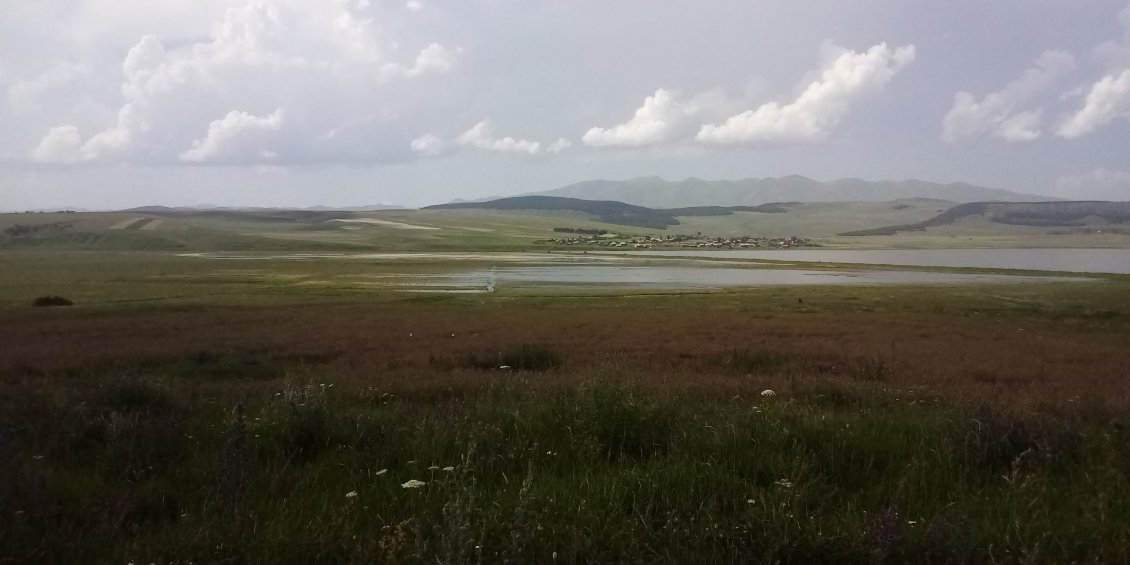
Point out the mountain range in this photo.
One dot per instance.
(655, 192)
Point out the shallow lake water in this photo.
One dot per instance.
(1066, 260)
(697, 277)
(486, 272)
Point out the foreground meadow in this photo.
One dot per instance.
(222, 420)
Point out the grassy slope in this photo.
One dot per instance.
(477, 230)
(455, 230)
(233, 422)
(178, 414)
(813, 219)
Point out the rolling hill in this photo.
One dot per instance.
(655, 192)
(1075, 214)
(606, 211)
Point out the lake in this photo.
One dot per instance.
(1066, 260)
(705, 277)
(484, 272)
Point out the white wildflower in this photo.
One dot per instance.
(381, 472)
(449, 469)
(351, 494)
(433, 468)
(783, 483)
(413, 484)
(767, 393)
(750, 501)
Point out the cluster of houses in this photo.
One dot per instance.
(680, 241)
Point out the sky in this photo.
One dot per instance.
(108, 104)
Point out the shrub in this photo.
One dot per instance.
(52, 300)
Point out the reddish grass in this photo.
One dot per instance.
(414, 345)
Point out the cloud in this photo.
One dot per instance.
(558, 146)
(224, 136)
(1100, 184)
(434, 58)
(326, 65)
(414, 5)
(62, 144)
(482, 136)
(652, 123)
(1106, 101)
(997, 113)
(429, 145)
(821, 105)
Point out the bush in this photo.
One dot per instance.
(52, 300)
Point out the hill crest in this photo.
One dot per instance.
(655, 192)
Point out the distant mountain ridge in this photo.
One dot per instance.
(213, 208)
(655, 192)
(603, 210)
(607, 211)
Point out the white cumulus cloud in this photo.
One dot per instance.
(999, 114)
(652, 123)
(428, 145)
(1107, 100)
(62, 144)
(821, 105)
(224, 136)
(482, 136)
(324, 64)
(434, 58)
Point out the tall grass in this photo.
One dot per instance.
(552, 467)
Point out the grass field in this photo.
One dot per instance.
(200, 411)
(481, 230)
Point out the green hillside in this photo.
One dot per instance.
(1079, 215)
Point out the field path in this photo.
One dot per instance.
(127, 223)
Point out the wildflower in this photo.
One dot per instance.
(449, 469)
(433, 468)
(351, 494)
(767, 393)
(381, 472)
(750, 501)
(783, 483)
(504, 367)
(413, 484)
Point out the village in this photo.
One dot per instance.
(602, 238)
